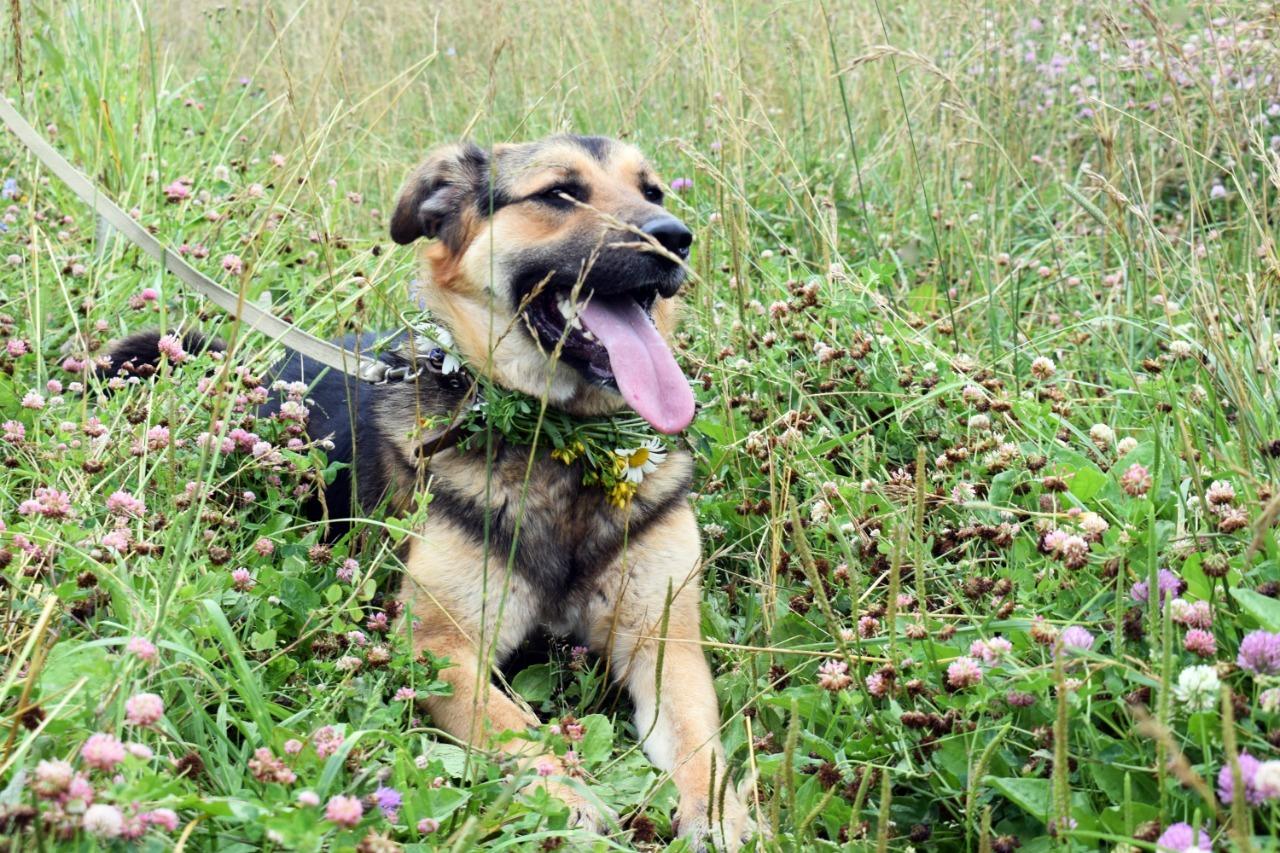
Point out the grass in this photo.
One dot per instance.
(984, 324)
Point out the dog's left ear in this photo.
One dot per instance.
(436, 196)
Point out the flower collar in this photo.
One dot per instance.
(616, 452)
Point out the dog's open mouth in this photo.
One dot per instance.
(612, 340)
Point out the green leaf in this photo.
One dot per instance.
(534, 683)
(1265, 610)
(1033, 796)
(597, 743)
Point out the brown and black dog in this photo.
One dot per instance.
(555, 267)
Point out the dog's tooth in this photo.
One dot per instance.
(565, 307)
(586, 333)
(576, 323)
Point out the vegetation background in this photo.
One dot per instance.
(984, 329)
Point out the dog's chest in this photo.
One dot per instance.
(557, 533)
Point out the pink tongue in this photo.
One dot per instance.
(648, 377)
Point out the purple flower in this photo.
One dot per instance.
(681, 185)
(388, 800)
(1260, 653)
(1248, 770)
(1077, 639)
(1166, 581)
(1182, 837)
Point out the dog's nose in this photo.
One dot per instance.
(671, 234)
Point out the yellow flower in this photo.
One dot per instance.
(639, 461)
(569, 452)
(622, 493)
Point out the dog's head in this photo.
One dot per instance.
(555, 266)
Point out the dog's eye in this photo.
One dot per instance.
(652, 194)
(556, 194)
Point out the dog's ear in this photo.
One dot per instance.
(439, 192)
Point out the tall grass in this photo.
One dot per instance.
(1036, 239)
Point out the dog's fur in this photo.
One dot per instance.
(506, 222)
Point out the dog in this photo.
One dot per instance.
(556, 269)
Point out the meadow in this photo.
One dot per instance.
(984, 335)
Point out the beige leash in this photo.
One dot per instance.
(335, 357)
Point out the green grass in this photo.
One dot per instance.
(937, 194)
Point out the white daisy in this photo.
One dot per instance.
(641, 460)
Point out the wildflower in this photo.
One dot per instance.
(1269, 700)
(292, 746)
(243, 580)
(1076, 638)
(1136, 480)
(53, 777)
(347, 571)
(344, 811)
(144, 709)
(1260, 653)
(1233, 519)
(17, 347)
(264, 546)
(428, 825)
(405, 694)
(103, 821)
(569, 453)
(140, 750)
(1166, 582)
(877, 685)
(142, 648)
(33, 400)
(166, 819)
(1197, 688)
(1248, 775)
(1093, 525)
(308, 798)
(1200, 642)
(1267, 780)
(14, 431)
(1102, 435)
(233, 264)
(1042, 632)
(123, 503)
(833, 675)
(642, 460)
(963, 672)
(388, 800)
(819, 511)
(1219, 493)
(102, 751)
(1042, 368)
(681, 185)
(1075, 551)
(265, 767)
(170, 346)
(177, 190)
(1183, 838)
(48, 502)
(990, 651)
(326, 740)
(546, 766)
(1192, 614)
(962, 493)
(1126, 445)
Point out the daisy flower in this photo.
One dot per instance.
(641, 460)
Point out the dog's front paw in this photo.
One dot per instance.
(727, 827)
(584, 813)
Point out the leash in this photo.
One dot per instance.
(330, 355)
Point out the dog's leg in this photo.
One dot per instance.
(447, 620)
(646, 615)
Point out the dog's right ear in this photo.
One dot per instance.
(437, 194)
